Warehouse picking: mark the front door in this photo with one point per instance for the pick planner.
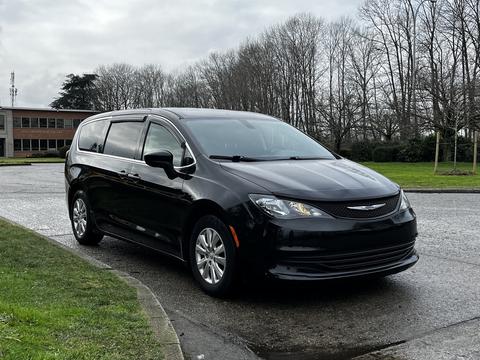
(2, 147)
(158, 202)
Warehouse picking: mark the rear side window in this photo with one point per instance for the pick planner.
(92, 136)
(122, 139)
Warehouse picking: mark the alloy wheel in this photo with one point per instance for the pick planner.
(79, 216)
(210, 256)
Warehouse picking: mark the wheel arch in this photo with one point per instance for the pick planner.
(73, 188)
(200, 208)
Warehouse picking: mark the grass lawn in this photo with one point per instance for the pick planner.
(27, 161)
(54, 305)
(420, 175)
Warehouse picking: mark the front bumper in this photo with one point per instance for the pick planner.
(321, 249)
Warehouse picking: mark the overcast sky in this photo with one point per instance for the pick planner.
(43, 40)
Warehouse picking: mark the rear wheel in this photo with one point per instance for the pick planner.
(83, 226)
(213, 256)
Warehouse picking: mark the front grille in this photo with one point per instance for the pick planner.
(352, 260)
(341, 209)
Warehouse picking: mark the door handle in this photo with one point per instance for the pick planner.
(123, 174)
(133, 177)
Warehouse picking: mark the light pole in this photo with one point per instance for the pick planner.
(414, 58)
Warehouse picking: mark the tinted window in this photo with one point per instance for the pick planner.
(17, 122)
(122, 139)
(25, 122)
(43, 122)
(26, 144)
(35, 144)
(34, 122)
(265, 139)
(2, 122)
(92, 135)
(159, 138)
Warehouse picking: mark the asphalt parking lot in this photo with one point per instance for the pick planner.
(431, 311)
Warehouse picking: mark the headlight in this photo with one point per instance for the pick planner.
(405, 204)
(285, 209)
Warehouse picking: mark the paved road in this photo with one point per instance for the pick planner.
(403, 316)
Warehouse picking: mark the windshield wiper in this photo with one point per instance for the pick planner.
(308, 158)
(234, 158)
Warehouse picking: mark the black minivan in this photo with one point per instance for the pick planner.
(234, 193)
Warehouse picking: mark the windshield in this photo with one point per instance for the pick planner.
(254, 140)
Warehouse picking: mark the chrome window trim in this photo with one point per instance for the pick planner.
(135, 161)
(161, 118)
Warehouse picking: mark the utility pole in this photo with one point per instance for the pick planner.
(13, 89)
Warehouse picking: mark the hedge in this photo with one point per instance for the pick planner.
(414, 150)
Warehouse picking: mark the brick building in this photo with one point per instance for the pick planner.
(24, 131)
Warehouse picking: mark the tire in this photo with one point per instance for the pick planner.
(82, 222)
(214, 269)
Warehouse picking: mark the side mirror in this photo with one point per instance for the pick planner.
(161, 159)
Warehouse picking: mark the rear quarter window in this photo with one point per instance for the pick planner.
(92, 136)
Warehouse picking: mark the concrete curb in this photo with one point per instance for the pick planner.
(157, 317)
(442, 191)
(24, 164)
(159, 321)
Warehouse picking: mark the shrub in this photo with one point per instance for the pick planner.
(412, 151)
(386, 153)
(62, 152)
(363, 150)
(47, 154)
(464, 149)
(347, 153)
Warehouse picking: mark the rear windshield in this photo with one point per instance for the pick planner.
(263, 139)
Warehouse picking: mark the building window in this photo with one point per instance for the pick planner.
(76, 123)
(17, 145)
(51, 123)
(2, 122)
(26, 144)
(25, 122)
(60, 123)
(60, 144)
(43, 144)
(68, 142)
(34, 122)
(68, 123)
(17, 122)
(52, 144)
(35, 144)
(43, 122)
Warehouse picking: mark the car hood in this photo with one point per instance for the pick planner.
(328, 180)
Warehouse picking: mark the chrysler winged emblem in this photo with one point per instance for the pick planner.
(366, 207)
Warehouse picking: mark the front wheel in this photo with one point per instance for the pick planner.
(213, 256)
(83, 225)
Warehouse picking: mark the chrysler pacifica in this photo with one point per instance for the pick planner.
(234, 193)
